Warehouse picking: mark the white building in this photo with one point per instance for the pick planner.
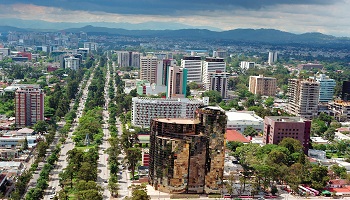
(71, 63)
(146, 109)
(272, 57)
(326, 87)
(193, 64)
(10, 142)
(92, 46)
(245, 65)
(239, 120)
(212, 65)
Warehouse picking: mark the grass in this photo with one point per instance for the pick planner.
(86, 148)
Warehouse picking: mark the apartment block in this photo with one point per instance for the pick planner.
(303, 97)
(193, 64)
(144, 110)
(177, 82)
(247, 65)
(71, 63)
(149, 69)
(128, 59)
(272, 57)
(92, 46)
(276, 128)
(265, 86)
(340, 110)
(187, 155)
(212, 65)
(29, 105)
(218, 82)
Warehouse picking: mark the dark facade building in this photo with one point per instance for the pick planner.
(345, 94)
(187, 155)
(276, 128)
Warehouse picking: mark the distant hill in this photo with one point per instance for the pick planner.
(271, 36)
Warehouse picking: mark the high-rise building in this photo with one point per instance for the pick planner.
(135, 59)
(71, 63)
(272, 57)
(29, 105)
(177, 82)
(193, 64)
(303, 96)
(265, 86)
(245, 65)
(146, 109)
(340, 110)
(92, 46)
(187, 155)
(166, 64)
(220, 54)
(128, 59)
(345, 93)
(276, 128)
(218, 82)
(149, 69)
(211, 65)
(326, 87)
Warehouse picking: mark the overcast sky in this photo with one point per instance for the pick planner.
(297, 16)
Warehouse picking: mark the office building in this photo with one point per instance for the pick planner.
(218, 82)
(212, 65)
(149, 69)
(276, 128)
(245, 65)
(177, 82)
(146, 109)
(326, 87)
(345, 94)
(193, 64)
(128, 59)
(187, 155)
(340, 110)
(92, 46)
(71, 63)
(272, 57)
(29, 105)
(265, 86)
(166, 64)
(240, 120)
(303, 97)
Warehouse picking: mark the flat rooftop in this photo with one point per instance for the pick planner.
(286, 119)
(242, 116)
(178, 121)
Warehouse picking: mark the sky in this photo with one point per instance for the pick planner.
(296, 16)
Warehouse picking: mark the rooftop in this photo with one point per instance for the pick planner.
(242, 116)
(178, 121)
(286, 119)
(233, 135)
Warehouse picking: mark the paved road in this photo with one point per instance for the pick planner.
(62, 163)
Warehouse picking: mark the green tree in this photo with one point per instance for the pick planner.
(269, 102)
(250, 131)
(113, 188)
(329, 134)
(133, 156)
(87, 172)
(232, 145)
(40, 127)
(339, 171)
(319, 177)
(293, 145)
(25, 143)
(41, 148)
(214, 96)
(139, 192)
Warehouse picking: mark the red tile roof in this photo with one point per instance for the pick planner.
(233, 135)
(341, 190)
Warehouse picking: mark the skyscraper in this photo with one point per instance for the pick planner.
(194, 66)
(187, 155)
(211, 65)
(265, 86)
(326, 87)
(272, 57)
(177, 82)
(345, 94)
(128, 59)
(303, 96)
(218, 82)
(166, 64)
(149, 69)
(29, 105)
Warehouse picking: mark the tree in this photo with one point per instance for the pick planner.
(214, 96)
(139, 192)
(250, 131)
(133, 156)
(87, 172)
(269, 102)
(232, 145)
(113, 188)
(319, 177)
(41, 148)
(318, 127)
(339, 171)
(188, 91)
(293, 145)
(133, 93)
(25, 143)
(329, 134)
(40, 127)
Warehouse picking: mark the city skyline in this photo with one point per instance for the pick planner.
(328, 17)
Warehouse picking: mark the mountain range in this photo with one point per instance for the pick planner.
(178, 31)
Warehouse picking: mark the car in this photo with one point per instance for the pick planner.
(52, 196)
(106, 181)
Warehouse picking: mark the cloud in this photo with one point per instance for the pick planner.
(165, 7)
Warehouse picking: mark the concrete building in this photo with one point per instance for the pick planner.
(310, 66)
(5, 51)
(177, 82)
(220, 54)
(265, 86)
(71, 63)
(149, 69)
(166, 64)
(276, 128)
(92, 46)
(193, 64)
(345, 94)
(146, 109)
(240, 120)
(303, 97)
(29, 105)
(146, 88)
(187, 155)
(218, 82)
(128, 59)
(212, 65)
(246, 65)
(340, 110)
(326, 87)
(272, 57)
